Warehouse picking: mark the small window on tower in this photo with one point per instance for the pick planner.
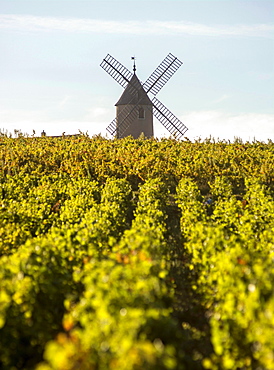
(141, 113)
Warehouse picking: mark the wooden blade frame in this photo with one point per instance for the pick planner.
(162, 74)
(116, 70)
(168, 120)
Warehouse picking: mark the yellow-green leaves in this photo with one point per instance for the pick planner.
(136, 254)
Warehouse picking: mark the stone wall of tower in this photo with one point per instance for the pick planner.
(138, 126)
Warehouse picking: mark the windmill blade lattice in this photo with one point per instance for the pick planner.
(167, 119)
(162, 74)
(116, 70)
(112, 127)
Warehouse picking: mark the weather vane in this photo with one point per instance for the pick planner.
(134, 65)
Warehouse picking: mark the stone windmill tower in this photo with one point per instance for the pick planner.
(134, 109)
(142, 118)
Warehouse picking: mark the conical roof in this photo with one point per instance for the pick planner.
(134, 94)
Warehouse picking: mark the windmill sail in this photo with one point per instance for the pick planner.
(116, 70)
(168, 120)
(162, 74)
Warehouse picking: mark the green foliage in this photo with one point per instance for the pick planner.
(136, 254)
(232, 257)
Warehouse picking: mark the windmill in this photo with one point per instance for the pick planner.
(134, 109)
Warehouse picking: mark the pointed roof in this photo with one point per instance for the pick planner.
(134, 93)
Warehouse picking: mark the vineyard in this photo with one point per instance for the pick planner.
(136, 254)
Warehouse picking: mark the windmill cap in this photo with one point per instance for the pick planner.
(134, 94)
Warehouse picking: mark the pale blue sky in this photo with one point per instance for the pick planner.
(51, 51)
